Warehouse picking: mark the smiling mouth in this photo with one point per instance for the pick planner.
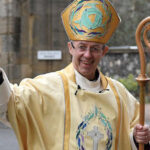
(87, 63)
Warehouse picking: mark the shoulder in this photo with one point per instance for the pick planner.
(128, 101)
(53, 77)
(43, 78)
(123, 92)
(51, 81)
(118, 85)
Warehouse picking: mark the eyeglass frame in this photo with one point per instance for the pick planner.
(92, 50)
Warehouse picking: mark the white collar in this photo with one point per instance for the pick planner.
(84, 83)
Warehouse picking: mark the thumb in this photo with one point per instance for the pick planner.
(138, 127)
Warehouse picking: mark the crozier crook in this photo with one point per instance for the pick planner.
(142, 79)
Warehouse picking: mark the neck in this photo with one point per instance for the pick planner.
(96, 76)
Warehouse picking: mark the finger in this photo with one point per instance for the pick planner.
(142, 142)
(143, 134)
(142, 139)
(144, 128)
(138, 127)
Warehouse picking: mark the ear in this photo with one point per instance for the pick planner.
(105, 50)
(70, 48)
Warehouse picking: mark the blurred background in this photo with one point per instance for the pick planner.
(30, 27)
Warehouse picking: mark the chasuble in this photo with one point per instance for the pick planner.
(50, 112)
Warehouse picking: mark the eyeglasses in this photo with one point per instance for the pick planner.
(83, 48)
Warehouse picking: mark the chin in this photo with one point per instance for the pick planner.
(86, 73)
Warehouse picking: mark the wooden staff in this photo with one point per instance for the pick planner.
(142, 78)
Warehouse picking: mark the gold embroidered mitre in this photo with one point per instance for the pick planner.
(90, 20)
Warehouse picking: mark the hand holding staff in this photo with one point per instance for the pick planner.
(142, 78)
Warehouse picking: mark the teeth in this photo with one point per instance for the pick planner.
(87, 63)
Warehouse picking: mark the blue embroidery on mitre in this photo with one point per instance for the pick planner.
(86, 27)
(97, 113)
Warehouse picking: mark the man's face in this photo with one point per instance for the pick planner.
(86, 56)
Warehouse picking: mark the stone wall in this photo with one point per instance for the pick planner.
(131, 13)
(9, 34)
(41, 30)
(27, 26)
(122, 61)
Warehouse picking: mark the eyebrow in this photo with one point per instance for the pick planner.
(96, 45)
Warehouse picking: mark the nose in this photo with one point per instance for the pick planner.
(87, 53)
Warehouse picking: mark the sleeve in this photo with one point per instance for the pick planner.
(5, 93)
(132, 108)
(133, 112)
